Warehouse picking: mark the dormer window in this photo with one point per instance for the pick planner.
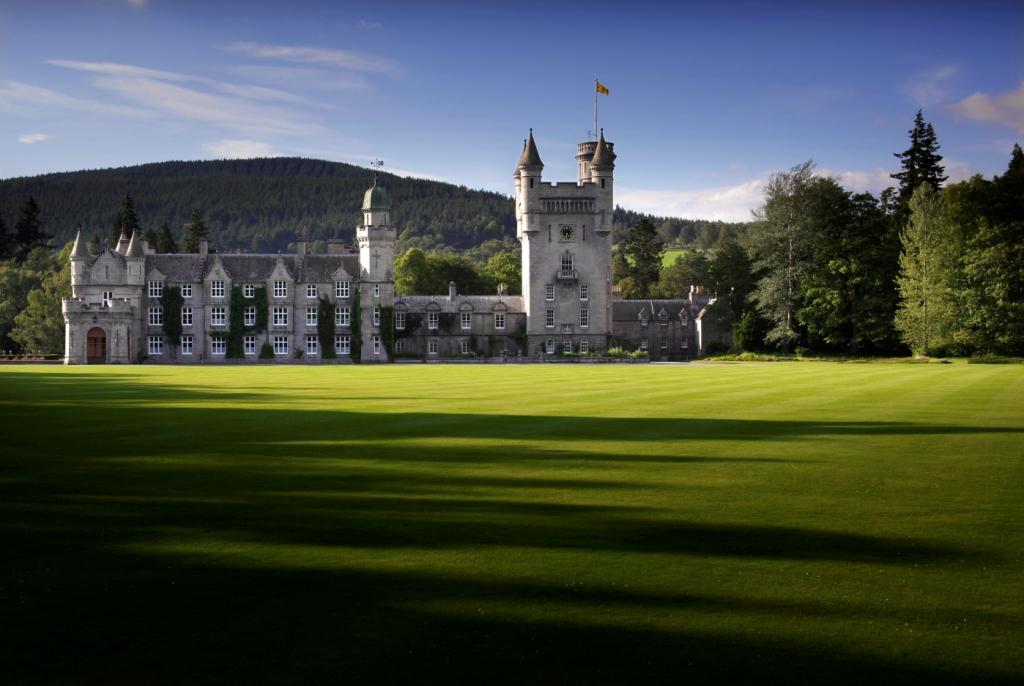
(311, 290)
(280, 289)
(156, 289)
(216, 289)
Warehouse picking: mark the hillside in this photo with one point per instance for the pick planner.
(264, 204)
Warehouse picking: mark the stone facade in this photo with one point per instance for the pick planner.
(116, 310)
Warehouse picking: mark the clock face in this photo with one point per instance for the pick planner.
(568, 233)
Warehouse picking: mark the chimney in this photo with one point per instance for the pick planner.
(335, 246)
(451, 290)
(300, 248)
(147, 248)
(204, 247)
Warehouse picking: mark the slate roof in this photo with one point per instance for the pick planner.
(190, 268)
(630, 310)
(530, 159)
(603, 158)
(182, 268)
(321, 268)
(480, 303)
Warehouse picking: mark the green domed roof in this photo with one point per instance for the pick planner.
(376, 198)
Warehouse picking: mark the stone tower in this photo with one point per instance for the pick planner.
(565, 230)
(376, 239)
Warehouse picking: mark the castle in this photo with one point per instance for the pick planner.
(247, 307)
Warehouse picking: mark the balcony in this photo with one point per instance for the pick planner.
(567, 275)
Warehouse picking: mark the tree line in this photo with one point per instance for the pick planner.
(931, 268)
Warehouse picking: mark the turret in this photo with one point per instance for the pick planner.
(135, 260)
(79, 259)
(376, 236)
(528, 178)
(122, 243)
(602, 167)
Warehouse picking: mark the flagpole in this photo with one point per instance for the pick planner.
(595, 109)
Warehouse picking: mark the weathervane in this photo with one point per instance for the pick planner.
(378, 167)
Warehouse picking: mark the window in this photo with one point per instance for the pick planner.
(280, 316)
(432, 320)
(248, 291)
(643, 319)
(400, 321)
(343, 316)
(643, 344)
(281, 291)
(376, 290)
(186, 316)
(549, 346)
(584, 346)
(280, 345)
(250, 345)
(311, 290)
(186, 345)
(567, 262)
(467, 320)
(218, 316)
(249, 316)
(499, 320)
(376, 315)
(432, 346)
(311, 315)
(664, 342)
(107, 297)
(218, 344)
(156, 345)
(342, 344)
(566, 345)
(682, 317)
(685, 344)
(399, 346)
(156, 316)
(549, 292)
(216, 289)
(156, 289)
(584, 292)
(341, 289)
(549, 318)
(584, 318)
(464, 346)
(186, 290)
(312, 345)
(376, 345)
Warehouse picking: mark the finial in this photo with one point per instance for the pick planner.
(531, 130)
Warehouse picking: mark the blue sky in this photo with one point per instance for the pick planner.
(706, 99)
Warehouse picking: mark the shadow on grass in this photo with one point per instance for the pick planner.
(88, 595)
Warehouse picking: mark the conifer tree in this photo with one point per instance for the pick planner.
(924, 317)
(921, 162)
(643, 250)
(95, 244)
(165, 242)
(7, 243)
(29, 228)
(196, 231)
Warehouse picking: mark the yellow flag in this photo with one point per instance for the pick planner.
(601, 89)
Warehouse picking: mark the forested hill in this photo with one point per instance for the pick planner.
(264, 204)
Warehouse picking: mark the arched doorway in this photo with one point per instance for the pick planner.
(96, 346)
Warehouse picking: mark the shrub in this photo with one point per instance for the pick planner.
(266, 352)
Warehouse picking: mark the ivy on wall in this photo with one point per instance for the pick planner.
(262, 315)
(387, 329)
(357, 328)
(325, 327)
(172, 302)
(236, 324)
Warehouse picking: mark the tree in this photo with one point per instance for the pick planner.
(29, 229)
(731, 277)
(925, 314)
(165, 242)
(95, 244)
(39, 328)
(689, 269)
(781, 247)
(412, 273)
(152, 238)
(7, 243)
(126, 222)
(504, 268)
(196, 231)
(921, 162)
(17, 280)
(643, 252)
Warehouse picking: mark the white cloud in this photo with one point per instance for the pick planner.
(30, 138)
(1005, 108)
(235, 148)
(932, 87)
(137, 3)
(234, 113)
(364, 24)
(15, 91)
(725, 203)
(343, 59)
(319, 79)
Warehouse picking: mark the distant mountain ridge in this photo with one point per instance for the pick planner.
(264, 204)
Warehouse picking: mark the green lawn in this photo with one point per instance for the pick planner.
(782, 523)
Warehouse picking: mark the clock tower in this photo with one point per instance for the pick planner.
(565, 230)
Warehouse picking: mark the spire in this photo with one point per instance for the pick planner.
(122, 243)
(135, 247)
(530, 159)
(604, 158)
(79, 249)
